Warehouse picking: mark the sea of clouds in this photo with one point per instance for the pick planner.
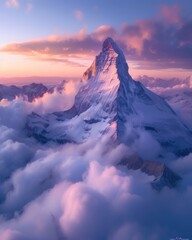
(79, 192)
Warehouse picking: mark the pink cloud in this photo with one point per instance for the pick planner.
(135, 35)
(12, 3)
(29, 7)
(78, 15)
(172, 14)
(103, 32)
(12, 235)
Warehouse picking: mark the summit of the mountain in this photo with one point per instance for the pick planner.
(110, 47)
(109, 44)
(103, 79)
(110, 56)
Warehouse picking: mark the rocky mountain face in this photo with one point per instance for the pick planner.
(163, 175)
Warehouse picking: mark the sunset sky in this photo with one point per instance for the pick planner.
(59, 38)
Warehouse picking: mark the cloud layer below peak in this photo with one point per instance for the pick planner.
(78, 192)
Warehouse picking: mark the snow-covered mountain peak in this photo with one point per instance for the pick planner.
(110, 45)
(111, 58)
(102, 80)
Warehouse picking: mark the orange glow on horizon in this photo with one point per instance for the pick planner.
(16, 66)
(21, 66)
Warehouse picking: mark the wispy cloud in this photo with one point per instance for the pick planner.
(12, 3)
(78, 15)
(171, 13)
(29, 7)
(76, 46)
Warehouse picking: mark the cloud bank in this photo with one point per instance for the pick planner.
(59, 99)
(78, 192)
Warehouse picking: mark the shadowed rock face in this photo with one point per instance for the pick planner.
(163, 176)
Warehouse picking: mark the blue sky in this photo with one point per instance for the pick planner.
(58, 16)
(24, 21)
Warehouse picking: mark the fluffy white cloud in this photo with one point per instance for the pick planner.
(13, 113)
(78, 191)
(105, 203)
